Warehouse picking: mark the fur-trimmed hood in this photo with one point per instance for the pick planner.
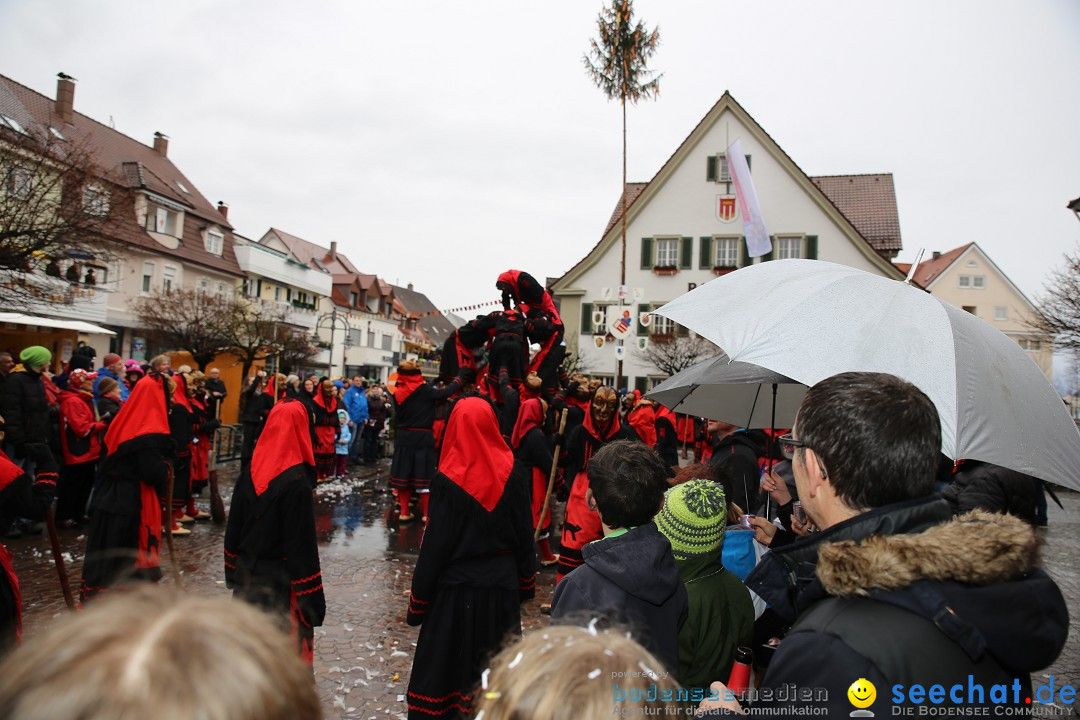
(978, 548)
(975, 576)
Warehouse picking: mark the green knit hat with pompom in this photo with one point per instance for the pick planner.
(693, 518)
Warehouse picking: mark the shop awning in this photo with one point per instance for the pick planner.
(77, 325)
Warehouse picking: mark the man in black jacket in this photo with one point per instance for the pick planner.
(894, 602)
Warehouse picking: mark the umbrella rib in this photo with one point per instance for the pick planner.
(753, 407)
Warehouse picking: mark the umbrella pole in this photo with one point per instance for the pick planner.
(772, 435)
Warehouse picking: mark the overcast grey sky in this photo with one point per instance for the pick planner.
(442, 142)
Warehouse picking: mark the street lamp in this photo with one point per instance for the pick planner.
(331, 319)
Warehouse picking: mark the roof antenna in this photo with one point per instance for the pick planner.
(914, 266)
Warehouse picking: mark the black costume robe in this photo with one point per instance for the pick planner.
(20, 497)
(124, 536)
(476, 563)
(414, 441)
(271, 552)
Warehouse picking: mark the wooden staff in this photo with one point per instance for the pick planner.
(58, 558)
(168, 527)
(551, 477)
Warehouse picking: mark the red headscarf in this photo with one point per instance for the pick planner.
(407, 382)
(531, 415)
(663, 412)
(9, 471)
(475, 456)
(284, 443)
(144, 413)
(180, 396)
(321, 401)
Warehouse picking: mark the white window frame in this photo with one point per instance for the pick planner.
(147, 283)
(667, 251)
(662, 326)
(600, 328)
(730, 258)
(170, 278)
(163, 220)
(786, 244)
(387, 342)
(215, 242)
(972, 282)
(222, 289)
(95, 200)
(1001, 313)
(204, 286)
(1030, 345)
(20, 183)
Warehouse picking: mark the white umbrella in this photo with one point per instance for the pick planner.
(735, 392)
(809, 320)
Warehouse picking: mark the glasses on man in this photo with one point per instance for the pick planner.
(788, 445)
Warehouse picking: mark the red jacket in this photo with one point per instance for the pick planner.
(80, 432)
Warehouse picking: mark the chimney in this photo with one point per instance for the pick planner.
(223, 209)
(333, 249)
(937, 254)
(65, 97)
(161, 144)
(409, 286)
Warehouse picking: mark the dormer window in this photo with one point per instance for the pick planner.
(214, 242)
(182, 188)
(13, 124)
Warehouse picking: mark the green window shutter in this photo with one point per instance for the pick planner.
(769, 255)
(586, 318)
(641, 384)
(681, 330)
(686, 257)
(744, 256)
(710, 168)
(811, 247)
(747, 161)
(641, 329)
(705, 261)
(646, 254)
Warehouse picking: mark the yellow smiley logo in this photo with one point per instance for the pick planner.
(862, 693)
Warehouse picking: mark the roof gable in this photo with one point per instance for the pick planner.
(954, 259)
(639, 195)
(311, 254)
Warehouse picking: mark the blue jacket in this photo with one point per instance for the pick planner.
(341, 445)
(105, 372)
(356, 404)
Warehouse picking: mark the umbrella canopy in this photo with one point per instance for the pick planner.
(735, 392)
(810, 320)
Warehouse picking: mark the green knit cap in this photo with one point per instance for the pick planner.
(693, 518)
(35, 356)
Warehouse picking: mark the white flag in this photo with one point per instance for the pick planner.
(757, 237)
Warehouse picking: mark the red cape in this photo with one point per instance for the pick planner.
(407, 382)
(475, 456)
(144, 413)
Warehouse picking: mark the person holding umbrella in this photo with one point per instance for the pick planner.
(893, 592)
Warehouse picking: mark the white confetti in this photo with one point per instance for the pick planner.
(649, 672)
(483, 679)
(514, 663)
(479, 715)
(607, 651)
(594, 674)
(592, 626)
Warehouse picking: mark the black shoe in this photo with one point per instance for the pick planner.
(29, 527)
(13, 531)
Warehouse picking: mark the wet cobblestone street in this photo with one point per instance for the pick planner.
(364, 651)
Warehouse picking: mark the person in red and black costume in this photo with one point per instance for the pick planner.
(20, 496)
(476, 563)
(642, 418)
(325, 406)
(124, 536)
(182, 427)
(580, 524)
(204, 424)
(80, 440)
(532, 449)
(521, 289)
(667, 440)
(413, 465)
(271, 551)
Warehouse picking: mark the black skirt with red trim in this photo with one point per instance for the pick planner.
(463, 628)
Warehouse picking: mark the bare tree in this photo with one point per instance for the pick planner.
(677, 354)
(1058, 311)
(253, 333)
(56, 202)
(187, 319)
(296, 350)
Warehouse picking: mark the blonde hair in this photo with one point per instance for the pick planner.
(157, 652)
(160, 360)
(565, 672)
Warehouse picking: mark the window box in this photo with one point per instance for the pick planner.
(723, 269)
(662, 337)
(665, 269)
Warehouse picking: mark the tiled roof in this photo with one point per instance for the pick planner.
(869, 202)
(633, 191)
(435, 325)
(311, 254)
(930, 269)
(127, 161)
